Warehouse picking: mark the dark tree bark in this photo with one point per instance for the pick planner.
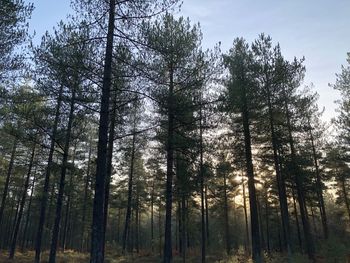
(261, 227)
(313, 218)
(281, 184)
(169, 171)
(300, 191)
(152, 217)
(137, 220)
(8, 222)
(109, 166)
(159, 228)
(23, 200)
(68, 204)
(101, 166)
(43, 200)
(226, 219)
(267, 215)
(247, 246)
(7, 180)
(254, 220)
(206, 213)
(58, 214)
(203, 242)
(86, 189)
(183, 228)
(25, 229)
(130, 184)
(297, 220)
(319, 185)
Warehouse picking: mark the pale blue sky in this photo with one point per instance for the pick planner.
(316, 29)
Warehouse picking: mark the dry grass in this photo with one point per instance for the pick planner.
(68, 256)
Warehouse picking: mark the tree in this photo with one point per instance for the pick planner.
(239, 91)
(13, 33)
(174, 50)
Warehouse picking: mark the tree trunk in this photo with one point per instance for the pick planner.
(267, 215)
(183, 228)
(7, 181)
(86, 188)
(68, 205)
(262, 238)
(137, 220)
(169, 172)
(227, 225)
(300, 191)
(130, 184)
(297, 221)
(254, 220)
(313, 218)
(319, 186)
(101, 163)
(28, 213)
(247, 246)
(159, 229)
(203, 242)
(281, 185)
(44, 196)
(152, 217)
(109, 167)
(56, 227)
(23, 200)
(206, 213)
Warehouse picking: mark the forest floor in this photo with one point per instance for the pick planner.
(70, 256)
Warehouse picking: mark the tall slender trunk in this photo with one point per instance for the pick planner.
(28, 213)
(297, 220)
(183, 228)
(130, 184)
(44, 196)
(13, 221)
(261, 227)
(56, 227)
(206, 213)
(267, 215)
(300, 191)
(177, 230)
(68, 205)
(152, 217)
(186, 223)
(318, 185)
(227, 225)
(101, 163)
(247, 246)
(313, 218)
(169, 172)
(137, 220)
(8, 221)
(109, 166)
(203, 242)
(23, 200)
(159, 228)
(118, 224)
(280, 178)
(65, 226)
(254, 220)
(86, 188)
(7, 180)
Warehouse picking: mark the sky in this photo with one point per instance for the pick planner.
(319, 30)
